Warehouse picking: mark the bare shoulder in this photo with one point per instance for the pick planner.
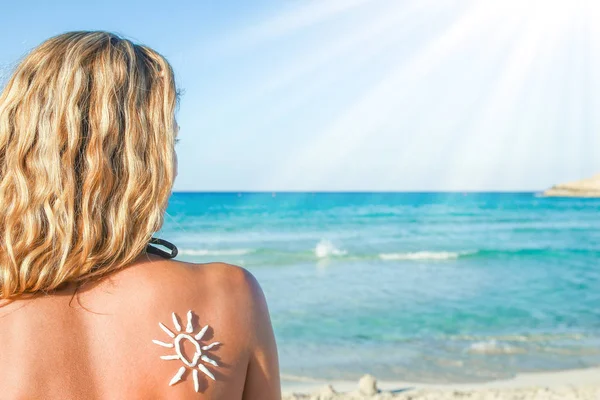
(237, 283)
(180, 279)
(225, 302)
(225, 292)
(217, 283)
(236, 294)
(228, 276)
(226, 297)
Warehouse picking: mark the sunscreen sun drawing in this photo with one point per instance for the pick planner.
(195, 361)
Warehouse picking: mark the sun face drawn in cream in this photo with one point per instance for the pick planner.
(178, 339)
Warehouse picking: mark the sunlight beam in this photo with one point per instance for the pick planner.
(283, 24)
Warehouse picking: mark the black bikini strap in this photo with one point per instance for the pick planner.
(160, 252)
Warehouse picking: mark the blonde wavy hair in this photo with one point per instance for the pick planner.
(87, 134)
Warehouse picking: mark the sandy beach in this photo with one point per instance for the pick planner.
(564, 385)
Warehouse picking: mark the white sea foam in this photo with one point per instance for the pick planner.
(222, 252)
(494, 347)
(325, 248)
(421, 255)
(299, 378)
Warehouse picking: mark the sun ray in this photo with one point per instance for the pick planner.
(286, 22)
(202, 368)
(200, 334)
(163, 344)
(177, 376)
(209, 360)
(210, 346)
(176, 322)
(170, 357)
(167, 330)
(352, 128)
(196, 382)
(190, 327)
(364, 38)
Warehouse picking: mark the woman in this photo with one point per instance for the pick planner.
(89, 309)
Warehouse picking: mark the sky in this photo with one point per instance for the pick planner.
(367, 95)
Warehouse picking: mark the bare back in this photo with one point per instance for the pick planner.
(97, 343)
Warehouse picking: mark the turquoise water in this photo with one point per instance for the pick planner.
(422, 287)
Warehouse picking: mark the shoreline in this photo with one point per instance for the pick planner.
(527, 384)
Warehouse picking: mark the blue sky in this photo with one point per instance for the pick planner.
(362, 94)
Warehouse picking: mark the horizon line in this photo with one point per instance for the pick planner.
(363, 191)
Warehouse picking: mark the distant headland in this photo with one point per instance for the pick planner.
(584, 188)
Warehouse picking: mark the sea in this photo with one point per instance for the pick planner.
(423, 287)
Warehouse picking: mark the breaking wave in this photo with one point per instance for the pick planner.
(423, 255)
(494, 347)
(206, 252)
(325, 248)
